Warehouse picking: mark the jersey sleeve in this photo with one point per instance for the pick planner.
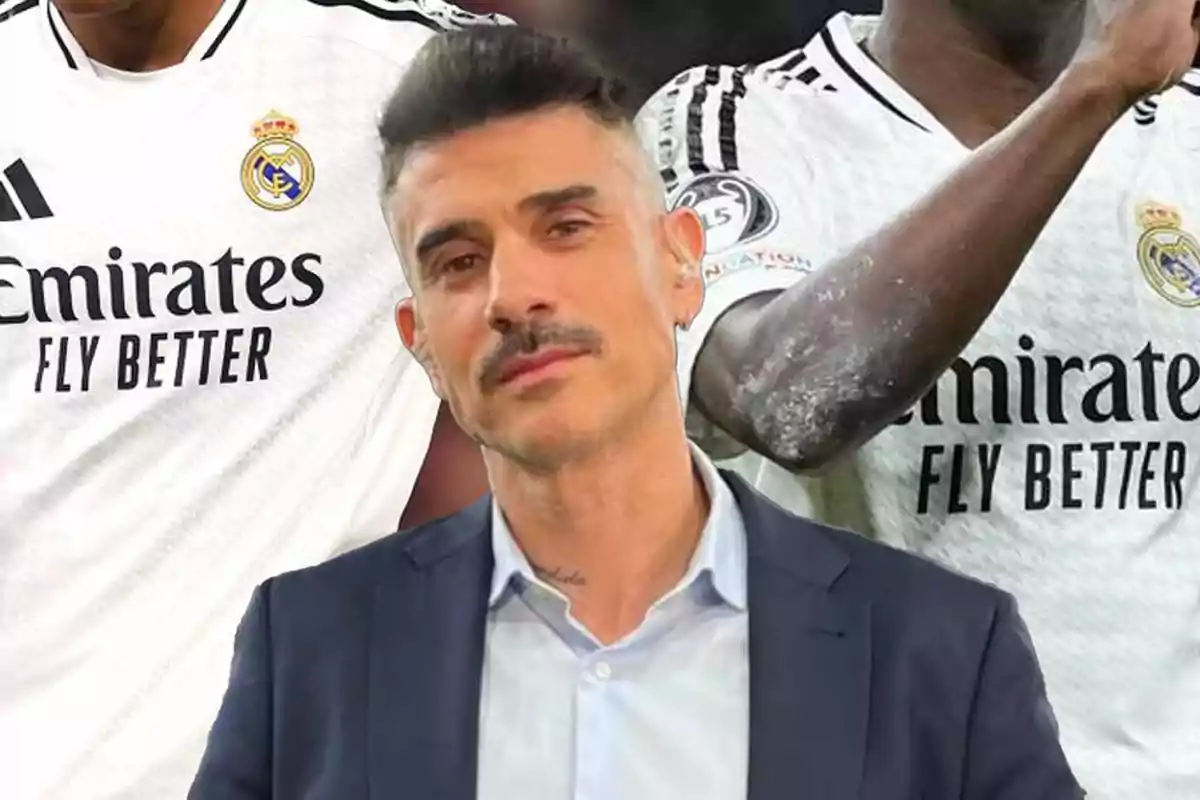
(728, 145)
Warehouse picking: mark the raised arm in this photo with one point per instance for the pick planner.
(807, 374)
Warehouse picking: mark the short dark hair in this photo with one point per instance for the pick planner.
(461, 79)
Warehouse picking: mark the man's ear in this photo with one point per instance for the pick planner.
(406, 324)
(685, 239)
(412, 333)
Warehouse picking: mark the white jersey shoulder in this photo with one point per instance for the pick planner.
(1177, 108)
(391, 28)
(18, 27)
(739, 146)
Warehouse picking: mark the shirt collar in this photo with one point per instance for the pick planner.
(720, 556)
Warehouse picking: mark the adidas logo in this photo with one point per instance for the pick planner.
(20, 197)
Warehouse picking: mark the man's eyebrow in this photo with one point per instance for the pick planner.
(464, 229)
(554, 198)
(442, 234)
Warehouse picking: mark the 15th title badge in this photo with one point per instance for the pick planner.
(277, 173)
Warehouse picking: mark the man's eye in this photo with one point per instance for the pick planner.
(568, 227)
(461, 263)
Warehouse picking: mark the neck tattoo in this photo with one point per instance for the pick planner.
(559, 575)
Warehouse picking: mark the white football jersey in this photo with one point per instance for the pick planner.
(1058, 458)
(200, 381)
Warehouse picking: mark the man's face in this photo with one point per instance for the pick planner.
(548, 281)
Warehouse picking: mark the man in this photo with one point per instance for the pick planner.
(1058, 457)
(618, 622)
(199, 380)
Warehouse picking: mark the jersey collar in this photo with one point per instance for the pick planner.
(72, 56)
(837, 50)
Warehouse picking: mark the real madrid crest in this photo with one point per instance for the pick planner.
(1170, 257)
(278, 172)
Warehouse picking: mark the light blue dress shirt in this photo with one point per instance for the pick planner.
(662, 714)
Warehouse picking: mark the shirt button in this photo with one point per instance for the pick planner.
(603, 671)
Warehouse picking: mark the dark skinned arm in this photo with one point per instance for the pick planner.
(808, 373)
(803, 380)
(452, 475)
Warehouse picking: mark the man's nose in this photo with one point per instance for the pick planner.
(521, 284)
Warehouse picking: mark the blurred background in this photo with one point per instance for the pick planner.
(649, 41)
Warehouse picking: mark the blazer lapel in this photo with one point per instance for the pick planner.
(427, 644)
(810, 660)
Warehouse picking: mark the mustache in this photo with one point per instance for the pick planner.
(525, 339)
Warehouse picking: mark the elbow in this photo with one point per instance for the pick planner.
(803, 428)
(808, 454)
(806, 417)
(804, 400)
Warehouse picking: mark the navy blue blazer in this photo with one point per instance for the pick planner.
(874, 675)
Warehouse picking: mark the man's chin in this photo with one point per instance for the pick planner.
(543, 449)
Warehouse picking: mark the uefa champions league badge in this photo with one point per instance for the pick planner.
(1170, 257)
(277, 173)
(735, 210)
